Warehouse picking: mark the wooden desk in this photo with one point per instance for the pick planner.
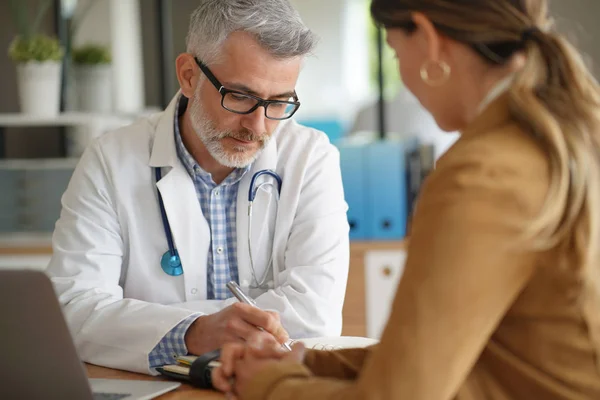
(184, 392)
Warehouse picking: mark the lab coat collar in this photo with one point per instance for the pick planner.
(164, 153)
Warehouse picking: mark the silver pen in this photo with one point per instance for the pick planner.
(235, 289)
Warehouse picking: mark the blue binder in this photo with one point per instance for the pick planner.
(386, 189)
(353, 166)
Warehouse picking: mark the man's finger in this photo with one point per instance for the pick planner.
(277, 329)
(241, 328)
(259, 339)
(257, 317)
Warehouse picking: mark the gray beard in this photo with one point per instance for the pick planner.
(211, 138)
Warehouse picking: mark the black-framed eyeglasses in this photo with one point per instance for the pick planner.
(244, 103)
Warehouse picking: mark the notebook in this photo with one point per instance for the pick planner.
(335, 342)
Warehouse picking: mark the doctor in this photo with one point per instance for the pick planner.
(155, 220)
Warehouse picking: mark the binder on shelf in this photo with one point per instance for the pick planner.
(420, 162)
(353, 167)
(386, 194)
(386, 188)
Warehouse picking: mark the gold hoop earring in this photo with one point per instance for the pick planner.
(445, 69)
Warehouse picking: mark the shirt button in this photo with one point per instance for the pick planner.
(194, 291)
(216, 192)
(219, 250)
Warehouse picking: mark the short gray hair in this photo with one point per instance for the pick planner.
(275, 24)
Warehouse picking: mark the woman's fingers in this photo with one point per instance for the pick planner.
(297, 353)
(230, 353)
(221, 381)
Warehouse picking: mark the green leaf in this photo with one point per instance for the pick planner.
(91, 54)
(37, 48)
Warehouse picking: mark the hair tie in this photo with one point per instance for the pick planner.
(530, 34)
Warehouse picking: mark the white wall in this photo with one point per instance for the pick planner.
(95, 26)
(336, 77)
(578, 19)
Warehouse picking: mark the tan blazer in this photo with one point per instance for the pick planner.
(474, 317)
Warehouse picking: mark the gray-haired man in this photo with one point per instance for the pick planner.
(156, 219)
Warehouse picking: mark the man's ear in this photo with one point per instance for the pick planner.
(187, 74)
(430, 35)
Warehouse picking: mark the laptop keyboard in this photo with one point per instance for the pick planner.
(110, 396)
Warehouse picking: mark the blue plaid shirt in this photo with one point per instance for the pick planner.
(219, 206)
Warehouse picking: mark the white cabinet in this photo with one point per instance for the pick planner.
(383, 270)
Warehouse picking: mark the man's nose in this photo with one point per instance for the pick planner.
(255, 121)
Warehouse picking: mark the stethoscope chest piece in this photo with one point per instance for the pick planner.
(171, 263)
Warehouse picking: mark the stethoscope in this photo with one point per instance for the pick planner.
(170, 261)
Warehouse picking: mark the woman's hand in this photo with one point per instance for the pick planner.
(253, 362)
(241, 362)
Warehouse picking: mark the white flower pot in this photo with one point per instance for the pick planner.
(94, 87)
(39, 87)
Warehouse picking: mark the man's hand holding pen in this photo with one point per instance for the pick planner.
(236, 323)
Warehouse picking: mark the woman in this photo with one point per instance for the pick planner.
(499, 298)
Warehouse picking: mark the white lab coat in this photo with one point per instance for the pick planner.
(109, 240)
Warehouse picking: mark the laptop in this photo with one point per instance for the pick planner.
(38, 359)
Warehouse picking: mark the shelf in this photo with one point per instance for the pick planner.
(64, 119)
(70, 118)
(24, 241)
(29, 164)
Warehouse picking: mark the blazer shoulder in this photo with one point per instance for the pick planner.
(509, 148)
(504, 163)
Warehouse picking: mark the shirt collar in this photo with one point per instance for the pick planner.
(189, 162)
(498, 90)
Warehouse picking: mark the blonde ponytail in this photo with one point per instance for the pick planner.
(557, 100)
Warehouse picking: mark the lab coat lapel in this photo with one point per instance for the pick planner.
(188, 225)
(261, 210)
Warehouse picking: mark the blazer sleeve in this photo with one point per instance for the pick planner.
(466, 265)
(340, 364)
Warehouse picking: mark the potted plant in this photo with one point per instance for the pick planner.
(93, 78)
(38, 59)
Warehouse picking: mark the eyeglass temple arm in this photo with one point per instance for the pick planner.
(209, 74)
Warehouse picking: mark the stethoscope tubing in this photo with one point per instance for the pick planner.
(252, 191)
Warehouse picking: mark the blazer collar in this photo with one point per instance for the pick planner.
(496, 114)
(494, 109)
